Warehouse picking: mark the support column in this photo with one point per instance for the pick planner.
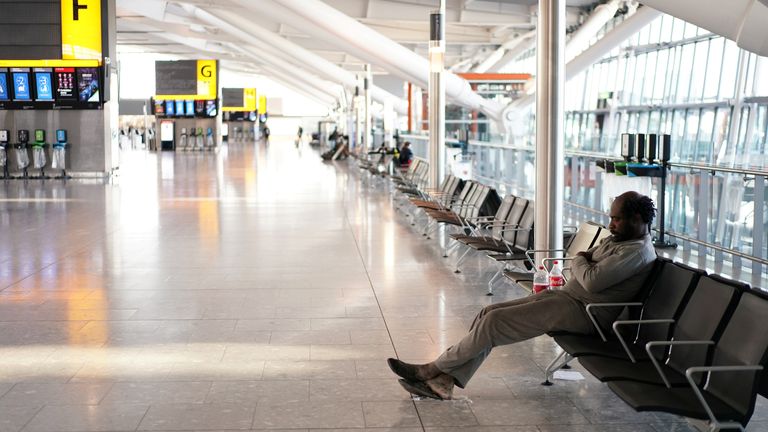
(410, 108)
(359, 122)
(550, 79)
(367, 109)
(436, 93)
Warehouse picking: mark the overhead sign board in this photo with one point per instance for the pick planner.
(186, 79)
(262, 104)
(238, 99)
(81, 29)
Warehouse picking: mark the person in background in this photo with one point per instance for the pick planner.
(298, 138)
(406, 154)
(266, 133)
(611, 272)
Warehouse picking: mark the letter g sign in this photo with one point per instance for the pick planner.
(205, 71)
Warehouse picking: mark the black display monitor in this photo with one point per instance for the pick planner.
(200, 108)
(21, 89)
(170, 108)
(44, 85)
(4, 91)
(210, 108)
(180, 111)
(159, 108)
(189, 108)
(65, 84)
(88, 85)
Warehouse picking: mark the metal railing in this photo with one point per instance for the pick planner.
(719, 210)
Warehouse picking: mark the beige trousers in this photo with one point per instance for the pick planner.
(510, 322)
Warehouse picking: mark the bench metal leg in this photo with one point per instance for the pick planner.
(430, 227)
(557, 363)
(449, 247)
(493, 279)
(461, 259)
(709, 426)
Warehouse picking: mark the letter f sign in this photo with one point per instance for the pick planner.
(76, 6)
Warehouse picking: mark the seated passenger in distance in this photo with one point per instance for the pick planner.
(406, 154)
(613, 271)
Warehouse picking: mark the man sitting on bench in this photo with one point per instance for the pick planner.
(613, 271)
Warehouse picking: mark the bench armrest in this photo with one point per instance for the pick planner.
(599, 305)
(550, 259)
(530, 252)
(650, 345)
(616, 325)
(709, 369)
(517, 228)
(482, 218)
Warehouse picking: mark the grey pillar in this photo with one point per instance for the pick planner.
(436, 93)
(358, 111)
(550, 79)
(367, 109)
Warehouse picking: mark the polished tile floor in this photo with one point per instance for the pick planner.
(253, 289)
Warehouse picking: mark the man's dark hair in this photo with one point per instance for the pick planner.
(639, 204)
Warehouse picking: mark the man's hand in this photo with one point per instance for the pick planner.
(585, 254)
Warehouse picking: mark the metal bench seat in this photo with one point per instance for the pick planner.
(731, 382)
(702, 319)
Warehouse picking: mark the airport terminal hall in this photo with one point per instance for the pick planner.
(383, 215)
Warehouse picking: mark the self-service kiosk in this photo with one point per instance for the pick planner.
(4, 140)
(38, 153)
(20, 148)
(59, 154)
(209, 139)
(183, 139)
(199, 139)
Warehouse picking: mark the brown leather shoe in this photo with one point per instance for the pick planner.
(419, 388)
(404, 370)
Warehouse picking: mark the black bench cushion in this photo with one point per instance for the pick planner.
(666, 296)
(677, 400)
(731, 395)
(703, 318)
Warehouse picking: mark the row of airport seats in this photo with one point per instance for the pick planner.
(505, 236)
(690, 344)
(483, 222)
(475, 218)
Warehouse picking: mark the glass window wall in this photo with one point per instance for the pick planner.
(671, 77)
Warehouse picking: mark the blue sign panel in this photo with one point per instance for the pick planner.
(4, 87)
(44, 82)
(21, 86)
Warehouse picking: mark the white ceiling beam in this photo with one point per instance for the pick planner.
(508, 13)
(322, 20)
(239, 26)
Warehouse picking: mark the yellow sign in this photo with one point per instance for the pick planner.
(262, 104)
(249, 98)
(206, 79)
(81, 29)
(249, 102)
(207, 82)
(49, 63)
